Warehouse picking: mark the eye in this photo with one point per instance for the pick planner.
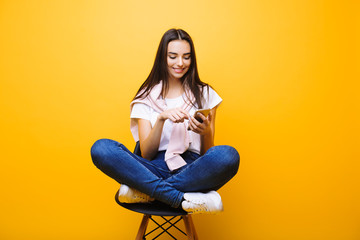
(187, 58)
(172, 57)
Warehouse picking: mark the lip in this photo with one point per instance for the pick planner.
(179, 70)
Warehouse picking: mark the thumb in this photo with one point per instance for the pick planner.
(210, 116)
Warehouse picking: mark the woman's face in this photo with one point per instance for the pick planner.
(178, 58)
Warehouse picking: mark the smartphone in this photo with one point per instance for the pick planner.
(205, 112)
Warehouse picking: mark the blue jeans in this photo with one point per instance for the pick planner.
(201, 173)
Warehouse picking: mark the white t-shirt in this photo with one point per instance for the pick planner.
(143, 111)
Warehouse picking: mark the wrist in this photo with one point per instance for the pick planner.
(160, 118)
(206, 133)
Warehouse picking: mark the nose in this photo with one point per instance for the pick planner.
(180, 63)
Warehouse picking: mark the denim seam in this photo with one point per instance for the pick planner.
(149, 163)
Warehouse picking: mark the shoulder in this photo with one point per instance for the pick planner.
(209, 91)
(140, 105)
(140, 110)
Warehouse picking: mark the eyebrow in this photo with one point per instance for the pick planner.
(177, 54)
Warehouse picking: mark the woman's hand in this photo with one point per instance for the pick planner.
(203, 127)
(176, 115)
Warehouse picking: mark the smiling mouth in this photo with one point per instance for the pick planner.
(179, 70)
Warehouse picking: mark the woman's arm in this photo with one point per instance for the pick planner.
(150, 136)
(206, 129)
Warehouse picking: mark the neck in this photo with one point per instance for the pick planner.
(175, 88)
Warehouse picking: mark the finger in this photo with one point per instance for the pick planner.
(190, 127)
(206, 122)
(186, 114)
(182, 117)
(193, 127)
(201, 116)
(210, 115)
(202, 125)
(181, 114)
(196, 123)
(172, 118)
(177, 112)
(177, 116)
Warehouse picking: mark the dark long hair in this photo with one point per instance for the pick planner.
(159, 71)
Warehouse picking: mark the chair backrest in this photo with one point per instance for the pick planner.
(137, 150)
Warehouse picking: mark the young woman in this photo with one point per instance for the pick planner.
(179, 164)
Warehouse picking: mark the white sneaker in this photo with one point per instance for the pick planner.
(131, 195)
(197, 203)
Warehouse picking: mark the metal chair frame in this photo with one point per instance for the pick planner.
(172, 224)
(191, 234)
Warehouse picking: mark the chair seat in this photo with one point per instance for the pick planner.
(162, 210)
(155, 208)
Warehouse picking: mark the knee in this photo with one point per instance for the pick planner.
(99, 150)
(229, 157)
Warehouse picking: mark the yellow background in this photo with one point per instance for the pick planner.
(288, 72)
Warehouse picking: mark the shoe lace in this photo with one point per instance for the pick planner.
(140, 195)
(199, 207)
